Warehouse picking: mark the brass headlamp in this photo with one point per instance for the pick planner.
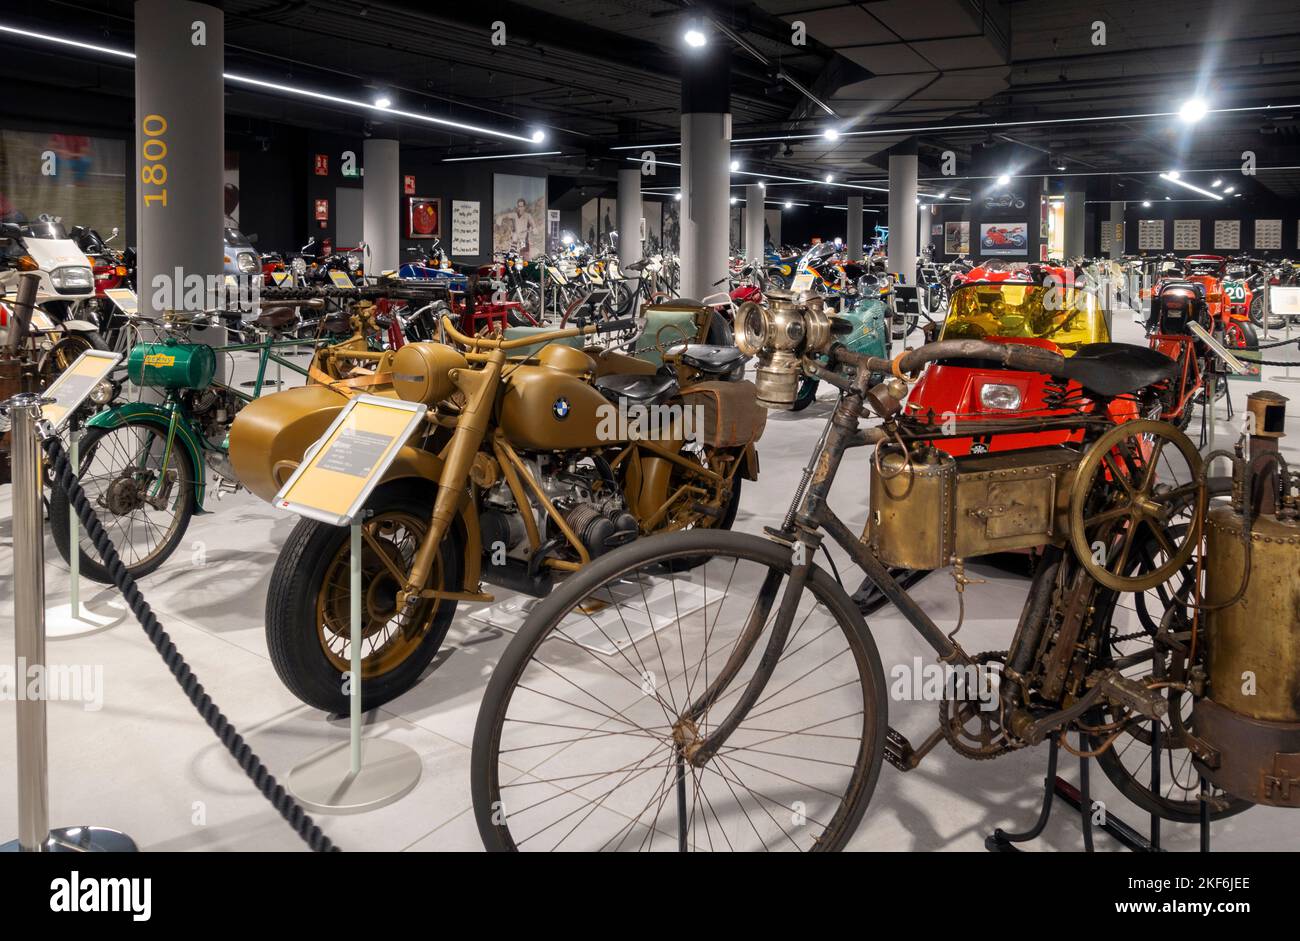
(779, 335)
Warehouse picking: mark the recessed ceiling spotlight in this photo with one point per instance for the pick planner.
(1004, 179)
(1193, 109)
(538, 136)
(830, 178)
(1173, 174)
(735, 165)
(677, 196)
(1146, 204)
(1217, 183)
(695, 38)
(1231, 189)
(733, 200)
(789, 205)
(383, 101)
(943, 195)
(831, 134)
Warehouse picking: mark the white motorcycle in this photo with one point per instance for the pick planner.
(66, 279)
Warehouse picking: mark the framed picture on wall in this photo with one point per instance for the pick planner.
(423, 217)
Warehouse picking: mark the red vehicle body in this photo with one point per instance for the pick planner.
(1231, 321)
(997, 304)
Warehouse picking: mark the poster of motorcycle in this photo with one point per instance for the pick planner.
(956, 238)
(80, 180)
(518, 214)
(1003, 238)
(1187, 235)
(1227, 234)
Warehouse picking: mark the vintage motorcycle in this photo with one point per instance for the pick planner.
(756, 715)
(527, 469)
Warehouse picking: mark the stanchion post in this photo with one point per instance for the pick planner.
(354, 610)
(74, 532)
(34, 833)
(29, 623)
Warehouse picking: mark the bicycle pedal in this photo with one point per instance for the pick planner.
(898, 750)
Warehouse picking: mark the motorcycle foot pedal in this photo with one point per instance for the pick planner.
(778, 535)
(898, 750)
(710, 511)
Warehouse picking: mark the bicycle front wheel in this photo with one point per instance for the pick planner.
(586, 733)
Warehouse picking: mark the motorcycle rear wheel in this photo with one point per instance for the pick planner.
(307, 607)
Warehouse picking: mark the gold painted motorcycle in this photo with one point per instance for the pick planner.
(526, 469)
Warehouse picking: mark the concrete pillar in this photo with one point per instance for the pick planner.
(1075, 226)
(902, 216)
(179, 151)
(629, 216)
(706, 169)
(381, 210)
(1116, 220)
(853, 232)
(754, 216)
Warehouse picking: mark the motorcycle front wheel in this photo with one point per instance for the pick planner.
(584, 735)
(141, 487)
(308, 621)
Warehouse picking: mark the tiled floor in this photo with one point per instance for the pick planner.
(145, 764)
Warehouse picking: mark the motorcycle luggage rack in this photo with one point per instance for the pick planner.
(1080, 799)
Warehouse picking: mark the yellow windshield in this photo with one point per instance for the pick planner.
(1066, 316)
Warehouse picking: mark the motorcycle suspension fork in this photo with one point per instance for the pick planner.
(465, 441)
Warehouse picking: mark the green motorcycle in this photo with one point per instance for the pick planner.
(146, 466)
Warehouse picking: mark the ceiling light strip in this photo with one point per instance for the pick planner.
(284, 89)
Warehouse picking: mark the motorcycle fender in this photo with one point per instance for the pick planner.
(749, 462)
(79, 326)
(415, 462)
(145, 413)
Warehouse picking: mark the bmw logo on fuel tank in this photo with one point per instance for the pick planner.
(561, 408)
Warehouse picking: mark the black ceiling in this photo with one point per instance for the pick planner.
(603, 73)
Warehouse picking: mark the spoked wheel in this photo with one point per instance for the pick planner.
(142, 489)
(586, 733)
(308, 609)
(1128, 487)
(1125, 752)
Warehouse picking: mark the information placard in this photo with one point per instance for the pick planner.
(340, 279)
(348, 461)
(76, 382)
(464, 226)
(125, 300)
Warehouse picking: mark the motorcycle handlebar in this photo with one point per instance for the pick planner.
(908, 364)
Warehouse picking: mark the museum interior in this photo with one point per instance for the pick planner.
(630, 425)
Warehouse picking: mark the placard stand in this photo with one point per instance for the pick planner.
(331, 485)
(362, 774)
(75, 619)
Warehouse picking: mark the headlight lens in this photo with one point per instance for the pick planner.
(1000, 396)
(298, 265)
(354, 262)
(751, 328)
(247, 262)
(71, 277)
(102, 394)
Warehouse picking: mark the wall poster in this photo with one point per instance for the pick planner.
(1004, 238)
(464, 227)
(1151, 234)
(1187, 235)
(653, 213)
(1227, 234)
(956, 238)
(1268, 233)
(69, 177)
(518, 214)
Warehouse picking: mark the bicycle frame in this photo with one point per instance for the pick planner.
(809, 514)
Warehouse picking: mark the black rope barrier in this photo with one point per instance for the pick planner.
(244, 756)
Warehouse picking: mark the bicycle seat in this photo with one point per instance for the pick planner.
(640, 390)
(1111, 369)
(336, 323)
(275, 318)
(708, 358)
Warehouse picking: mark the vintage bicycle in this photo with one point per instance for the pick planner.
(741, 704)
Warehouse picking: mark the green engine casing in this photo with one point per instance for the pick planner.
(171, 365)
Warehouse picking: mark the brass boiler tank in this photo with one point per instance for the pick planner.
(1250, 718)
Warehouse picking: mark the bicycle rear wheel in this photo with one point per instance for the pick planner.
(585, 732)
